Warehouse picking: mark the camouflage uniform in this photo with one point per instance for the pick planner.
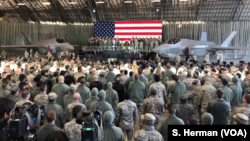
(155, 106)
(169, 84)
(41, 99)
(34, 92)
(197, 109)
(206, 94)
(183, 109)
(73, 130)
(4, 92)
(123, 79)
(162, 93)
(147, 133)
(104, 82)
(15, 98)
(189, 92)
(68, 110)
(126, 117)
(245, 109)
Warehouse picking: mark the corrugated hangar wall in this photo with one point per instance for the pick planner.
(10, 32)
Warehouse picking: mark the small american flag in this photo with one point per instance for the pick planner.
(125, 30)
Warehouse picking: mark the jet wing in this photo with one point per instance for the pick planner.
(227, 48)
(20, 46)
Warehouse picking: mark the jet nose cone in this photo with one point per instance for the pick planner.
(69, 48)
(158, 51)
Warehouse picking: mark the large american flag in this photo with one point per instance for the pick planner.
(124, 30)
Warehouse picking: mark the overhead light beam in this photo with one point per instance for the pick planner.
(46, 3)
(127, 1)
(72, 2)
(100, 2)
(21, 4)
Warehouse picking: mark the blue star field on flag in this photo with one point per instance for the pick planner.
(103, 29)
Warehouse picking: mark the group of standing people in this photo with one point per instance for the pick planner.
(127, 92)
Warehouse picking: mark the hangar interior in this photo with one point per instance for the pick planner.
(73, 19)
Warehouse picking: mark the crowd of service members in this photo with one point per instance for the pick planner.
(126, 92)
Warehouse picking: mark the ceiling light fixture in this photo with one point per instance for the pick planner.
(183, 0)
(157, 9)
(156, 0)
(128, 1)
(46, 3)
(72, 2)
(21, 4)
(93, 10)
(99, 2)
(0, 4)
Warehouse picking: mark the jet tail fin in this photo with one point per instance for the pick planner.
(203, 36)
(26, 40)
(229, 39)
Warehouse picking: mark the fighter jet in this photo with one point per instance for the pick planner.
(55, 46)
(186, 47)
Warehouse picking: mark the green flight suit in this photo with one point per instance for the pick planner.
(61, 89)
(220, 109)
(45, 130)
(111, 132)
(177, 89)
(92, 99)
(59, 113)
(128, 82)
(84, 92)
(132, 47)
(68, 99)
(109, 45)
(228, 94)
(237, 94)
(150, 76)
(101, 103)
(164, 122)
(111, 96)
(110, 76)
(90, 77)
(137, 89)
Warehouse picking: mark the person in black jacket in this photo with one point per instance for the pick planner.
(117, 86)
(5, 113)
(95, 83)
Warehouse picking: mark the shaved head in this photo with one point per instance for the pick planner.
(93, 70)
(136, 76)
(95, 78)
(76, 97)
(61, 78)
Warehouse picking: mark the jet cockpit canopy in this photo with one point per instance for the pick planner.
(61, 40)
(172, 41)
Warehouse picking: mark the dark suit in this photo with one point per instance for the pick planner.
(94, 53)
(73, 56)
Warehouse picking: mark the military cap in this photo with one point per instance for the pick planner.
(52, 96)
(180, 72)
(208, 79)
(223, 69)
(183, 97)
(148, 117)
(14, 90)
(241, 118)
(195, 81)
(213, 70)
(206, 71)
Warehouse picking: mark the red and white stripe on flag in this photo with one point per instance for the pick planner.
(124, 30)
